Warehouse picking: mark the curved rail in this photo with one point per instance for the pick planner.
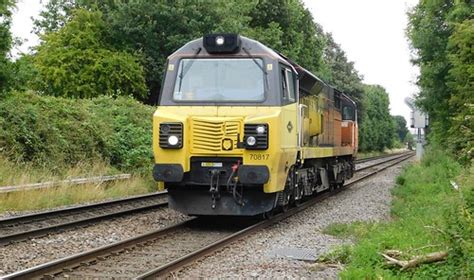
(151, 254)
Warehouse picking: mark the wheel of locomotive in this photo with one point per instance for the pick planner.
(284, 200)
(298, 193)
(269, 214)
(340, 185)
(286, 197)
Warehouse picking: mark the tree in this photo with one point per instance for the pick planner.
(342, 73)
(409, 140)
(401, 127)
(377, 132)
(441, 35)
(155, 29)
(5, 42)
(299, 38)
(75, 62)
(461, 82)
(23, 73)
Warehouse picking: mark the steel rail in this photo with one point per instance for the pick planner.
(389, 160)
(75, 210)
(57, 266)
(362, 160)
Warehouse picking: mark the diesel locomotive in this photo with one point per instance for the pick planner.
(242, 130)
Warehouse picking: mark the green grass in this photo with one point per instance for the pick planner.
(356, 230)
(338, 255)
(23, 173)
(428, 215)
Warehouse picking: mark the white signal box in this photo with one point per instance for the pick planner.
(418, 119)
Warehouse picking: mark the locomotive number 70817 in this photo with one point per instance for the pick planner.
(259, 156)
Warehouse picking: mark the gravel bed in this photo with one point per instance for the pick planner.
(252, 258)
(22, 255)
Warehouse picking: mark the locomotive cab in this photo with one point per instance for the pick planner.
(231, 128)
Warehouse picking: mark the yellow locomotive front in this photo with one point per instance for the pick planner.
(242, 130)
(223, 138)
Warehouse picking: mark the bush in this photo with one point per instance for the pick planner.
(56, 132)
(75, 62)
(428, 216)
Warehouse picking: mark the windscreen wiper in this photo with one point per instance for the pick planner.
(259, 66)
(186, 68)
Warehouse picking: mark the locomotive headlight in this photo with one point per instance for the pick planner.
(171, 135)
(173, 140)
(219, 40)
(256, 136)
(251, 141)
(260, 129)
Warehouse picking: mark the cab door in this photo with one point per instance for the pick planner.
(289, 115)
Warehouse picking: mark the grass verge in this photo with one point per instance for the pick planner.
(21, 173)
(429, 215)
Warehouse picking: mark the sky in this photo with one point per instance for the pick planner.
(371, 32)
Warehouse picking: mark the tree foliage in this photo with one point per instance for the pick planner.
(5, 42)
(441, 33)
(377, 131)
(75, 62)
(298, 39)
(156, 29)
(401, 127)
(23, 73)
(343, 74)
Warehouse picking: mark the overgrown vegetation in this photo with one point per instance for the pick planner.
(20, 172)
(57, 133)
(76, 62)
(441, 34)
(429, 215)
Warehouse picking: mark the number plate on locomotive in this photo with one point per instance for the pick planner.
(211, 164)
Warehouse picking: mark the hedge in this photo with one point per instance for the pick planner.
(54, 131)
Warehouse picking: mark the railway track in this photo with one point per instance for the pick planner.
(172, 247)
(39, 224)
(362, 160)
(385, 159)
